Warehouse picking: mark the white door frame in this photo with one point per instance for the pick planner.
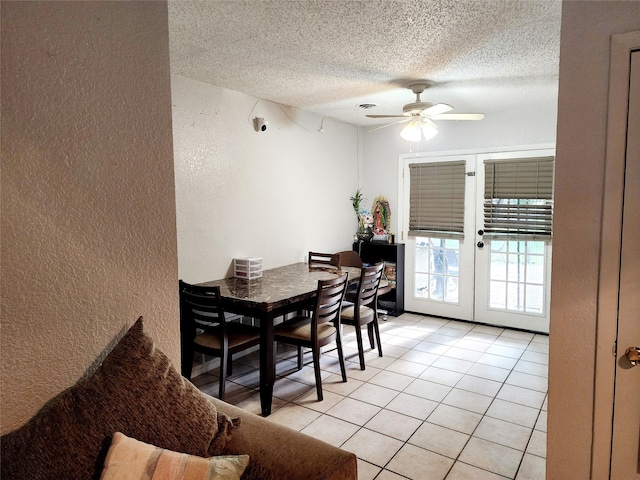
(606, 331)
(403, 193)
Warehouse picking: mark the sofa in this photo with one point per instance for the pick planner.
(137, 408)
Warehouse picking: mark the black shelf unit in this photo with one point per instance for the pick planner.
(374, 252)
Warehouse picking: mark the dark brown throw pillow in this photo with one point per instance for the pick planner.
(135, 391)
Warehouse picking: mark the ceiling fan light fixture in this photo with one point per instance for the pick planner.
(412, 132)
(429, 129)
(418, 127)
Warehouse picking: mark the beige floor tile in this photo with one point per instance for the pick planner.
(479, 385)
(532, 468)
(491, 456)
(474, 345)
(293, 416)
(463, 354)
(532, 382)
(455, 418)
(454, 364)
(532, 368)
(497, 361)
(335, 384)
(541, 423)
(538, 444)
(374, 394)
(513, 412)
(468, 400)
(393, 424)
(252, 404)
(353, 371)
(528, 336)
(401, 341)
(405, 367)
(505, 351)
(504, 433)
(441, 376)
(331, 430)
(522, 396)
(372, 447)
(387, 475)
(412, 405)
(489, 372)
(431, 347)
(452, 331)
(540, 338)
(367, 471)
(538, 347)
(419, 402)
(353, 411)
(441, 339)
(480, 336)
(462, 471)
(415, 462)
(536, 357)
(512, 342)
(439, 439)
(309, 399)
(391, 380)
(466, 326)
(429, 390)
(288, 389)
(416, 356)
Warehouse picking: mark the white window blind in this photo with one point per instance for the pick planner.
(436, 199)
(518, 198)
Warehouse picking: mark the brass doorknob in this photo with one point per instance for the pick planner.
(633, 355)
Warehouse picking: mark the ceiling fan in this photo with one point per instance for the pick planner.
(420, 114)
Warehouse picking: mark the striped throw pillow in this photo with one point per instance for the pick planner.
(130, 459)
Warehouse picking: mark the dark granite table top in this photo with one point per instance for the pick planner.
(277, 288)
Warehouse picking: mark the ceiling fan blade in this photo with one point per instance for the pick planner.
(385, 116)
(407, 119)
(436, 109)
(458, 116)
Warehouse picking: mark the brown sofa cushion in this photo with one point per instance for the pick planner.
(135, 391)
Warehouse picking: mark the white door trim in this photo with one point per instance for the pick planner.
(621, 47)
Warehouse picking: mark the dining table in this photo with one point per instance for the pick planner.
(278, 292)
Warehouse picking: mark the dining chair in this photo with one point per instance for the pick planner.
(364, 310)
(319, 329)
(351, 258)
(324, 261)
(204, 329)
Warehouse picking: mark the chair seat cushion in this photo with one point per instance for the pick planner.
(238, 335)
(300, 329)
(348, 313)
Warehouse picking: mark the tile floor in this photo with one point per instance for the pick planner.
(449, 400)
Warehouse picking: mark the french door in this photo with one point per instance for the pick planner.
(464, 272)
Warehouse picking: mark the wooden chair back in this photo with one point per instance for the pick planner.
(324, 261)
(350, 258)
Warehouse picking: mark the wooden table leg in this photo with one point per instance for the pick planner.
(267, 364)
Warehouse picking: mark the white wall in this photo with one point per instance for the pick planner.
(275, 194)
(381, 150)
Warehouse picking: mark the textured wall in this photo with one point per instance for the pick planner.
(582, 122)
(88, 204)
(275, 194)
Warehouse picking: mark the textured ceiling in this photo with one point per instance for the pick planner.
(329, 56)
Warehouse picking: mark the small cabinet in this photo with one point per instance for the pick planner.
(392, 254)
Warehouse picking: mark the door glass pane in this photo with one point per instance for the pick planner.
(498, 295)
(517, 273)
(437, 269)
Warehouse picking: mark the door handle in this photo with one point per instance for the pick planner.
(633, 355)
(480, 244)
